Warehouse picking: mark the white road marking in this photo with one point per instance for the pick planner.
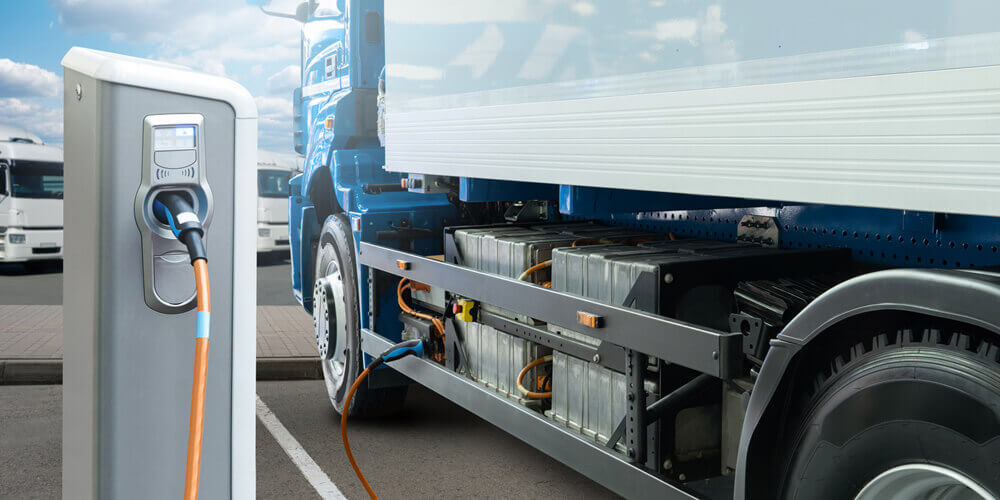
(306, 465)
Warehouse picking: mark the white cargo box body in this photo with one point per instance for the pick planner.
(888, 104)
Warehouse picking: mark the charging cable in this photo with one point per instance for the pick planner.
(174, 210)
(398, 351)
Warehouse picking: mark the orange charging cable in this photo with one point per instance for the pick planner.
(343, 432)
(398, 351)
(197, 422)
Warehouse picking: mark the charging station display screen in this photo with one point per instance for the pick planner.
(173, 137)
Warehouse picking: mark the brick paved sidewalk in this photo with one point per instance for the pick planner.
(35, 332)
(285, 344)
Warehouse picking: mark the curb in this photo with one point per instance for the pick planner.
(30, 371)
(289, 369)
(49, 371)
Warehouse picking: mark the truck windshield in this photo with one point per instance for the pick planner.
(36, 179)
(273, 183)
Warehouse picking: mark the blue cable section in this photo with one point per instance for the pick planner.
(201, 325)
(158, 206)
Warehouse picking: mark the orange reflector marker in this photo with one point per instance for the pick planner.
(402, 264)
(589, 319)
(329, 123)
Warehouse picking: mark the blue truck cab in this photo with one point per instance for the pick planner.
(335, 127)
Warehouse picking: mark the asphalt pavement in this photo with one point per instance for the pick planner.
(432, 449)
(31, 284)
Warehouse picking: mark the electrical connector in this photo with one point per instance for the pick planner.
(174, 210)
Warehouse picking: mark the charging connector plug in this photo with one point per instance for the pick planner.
(174, 210)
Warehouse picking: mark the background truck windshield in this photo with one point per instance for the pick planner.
(273, 183)
(36, 179)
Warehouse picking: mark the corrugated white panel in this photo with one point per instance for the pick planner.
(919, 141)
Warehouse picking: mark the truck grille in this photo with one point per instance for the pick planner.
(44, 250)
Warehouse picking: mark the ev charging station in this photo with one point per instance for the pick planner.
(135, 129)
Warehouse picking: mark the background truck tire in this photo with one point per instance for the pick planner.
(336, 315)
(915, 399)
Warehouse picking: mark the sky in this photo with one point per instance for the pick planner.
(223, 37)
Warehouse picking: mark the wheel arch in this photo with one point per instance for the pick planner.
(966, 297)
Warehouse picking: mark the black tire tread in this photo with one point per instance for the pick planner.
(859, 349)
(984, 348)
(366, 402)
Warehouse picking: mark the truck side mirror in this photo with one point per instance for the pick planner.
(304, 11)
(3, 180)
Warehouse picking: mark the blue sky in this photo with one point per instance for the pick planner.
(223, 37)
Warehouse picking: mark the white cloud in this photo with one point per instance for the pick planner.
(274, 122)
(481, 53)
(685, 28)
(27, 80)
(27, 113)
(712, 27)
(466, 11)
(285, 80)
(203, 35)
(414, 72)
(274, 107)
(221, 38)
(584, 9)
(707, 31)
(548, 50)
(910, 36)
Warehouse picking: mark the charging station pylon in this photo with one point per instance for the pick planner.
(133, 129)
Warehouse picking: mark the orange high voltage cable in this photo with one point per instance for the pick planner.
(537, 267)
(197, 422)
(524, 371)
(404, 284)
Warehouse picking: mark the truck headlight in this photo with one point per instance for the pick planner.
(16, 239)
(263, 232)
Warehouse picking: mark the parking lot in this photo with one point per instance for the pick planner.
(432, 449)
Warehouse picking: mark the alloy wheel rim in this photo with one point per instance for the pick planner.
(922, 481)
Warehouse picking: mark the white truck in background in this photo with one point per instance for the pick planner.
(31, 197)
(273, 173)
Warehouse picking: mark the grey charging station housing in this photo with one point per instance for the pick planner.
(129, 288)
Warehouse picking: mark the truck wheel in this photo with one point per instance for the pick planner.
(336, 314)
(915, 416)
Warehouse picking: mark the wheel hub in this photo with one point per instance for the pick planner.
(922, 481)
(330, 318)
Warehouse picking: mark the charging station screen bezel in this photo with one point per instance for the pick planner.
(175, 137)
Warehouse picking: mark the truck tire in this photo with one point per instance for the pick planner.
(336, 319)
(910, 415)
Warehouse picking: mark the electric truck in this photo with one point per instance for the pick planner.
(689, 249)
(273, 173)
(31, 197)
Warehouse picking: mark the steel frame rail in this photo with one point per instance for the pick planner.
(703, 349)
(586, 457)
